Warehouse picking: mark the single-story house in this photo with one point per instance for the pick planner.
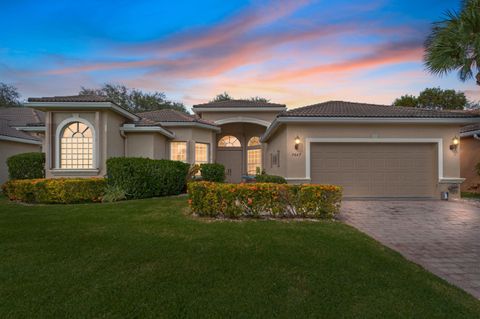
(470, 157)
(370, 150)
(19, 133)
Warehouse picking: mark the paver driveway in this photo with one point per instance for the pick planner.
(443, 237)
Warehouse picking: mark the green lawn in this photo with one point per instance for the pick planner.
(148, 259)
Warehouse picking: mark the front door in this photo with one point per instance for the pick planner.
(232, 160)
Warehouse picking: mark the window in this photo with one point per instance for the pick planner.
(76, 146)
(254, 155)
(229, 141)
(201, 153)
(178, 151)
(254, 160)
(254, 141)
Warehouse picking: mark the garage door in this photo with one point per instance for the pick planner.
(376, 169)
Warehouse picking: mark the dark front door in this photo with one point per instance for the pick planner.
(232, 160)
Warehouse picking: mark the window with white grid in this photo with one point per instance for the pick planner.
(201, 153)
(254, 160)
(76, 146)
(178, 151)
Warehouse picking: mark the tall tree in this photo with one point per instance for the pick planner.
(406, 100)
(436, 98)
(454, 43)
(9, 96)
(259, 99)
(222, 97)
(134, 100)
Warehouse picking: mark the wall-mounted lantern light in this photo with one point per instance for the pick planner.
(454, 145)
(297, 142)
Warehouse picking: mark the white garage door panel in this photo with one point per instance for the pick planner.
(376, 169)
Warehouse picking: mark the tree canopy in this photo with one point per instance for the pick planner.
(9, 96)
(454, 43)
(134, 100)
(436, 98)
(227, 97)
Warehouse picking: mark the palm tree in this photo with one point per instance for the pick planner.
(454, 44)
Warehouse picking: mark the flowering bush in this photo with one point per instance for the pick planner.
(55, 190)
(263, 199)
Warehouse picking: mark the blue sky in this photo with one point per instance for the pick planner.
(294, 52)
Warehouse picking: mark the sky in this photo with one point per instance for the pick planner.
(292, 52)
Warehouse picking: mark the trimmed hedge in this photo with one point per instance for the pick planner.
(144, 177)
(265, 178)
(264, 199)
(56, 190)
(26, 165)
(213, 172)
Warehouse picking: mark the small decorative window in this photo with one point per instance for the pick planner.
(76, 146)
(178, 151)
(229, 141)
(254, 141)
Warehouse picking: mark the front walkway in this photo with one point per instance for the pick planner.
(443, 237)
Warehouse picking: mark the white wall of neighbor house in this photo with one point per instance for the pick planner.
(10, 148)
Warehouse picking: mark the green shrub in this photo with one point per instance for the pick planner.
(26, 165)
(265, 178)
(114, 193)
(143, 177)
(264, 199)
(56, 190)
(213, 172)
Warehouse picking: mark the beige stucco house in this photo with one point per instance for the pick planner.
(370, 150)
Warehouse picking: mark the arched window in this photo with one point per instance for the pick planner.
(254, 155)
(76, 146)
(254, 141)
(229, 141)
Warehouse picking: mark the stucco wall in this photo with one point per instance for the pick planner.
(192, 135)
(7, 149)
(296, 160)
(469, 157)
(276, 146)
(264, 116)
(152, 145)
(115, 142)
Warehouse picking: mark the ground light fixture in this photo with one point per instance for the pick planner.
(297, 142)
(454, 145)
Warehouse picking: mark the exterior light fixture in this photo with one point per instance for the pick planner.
(297, 142)
(454, 145)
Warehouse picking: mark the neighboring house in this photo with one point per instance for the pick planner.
(21, 131)
(370, 150)
(470, 157)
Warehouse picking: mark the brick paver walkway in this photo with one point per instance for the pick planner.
(443, 237)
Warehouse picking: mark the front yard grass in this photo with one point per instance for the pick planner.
(147, 258)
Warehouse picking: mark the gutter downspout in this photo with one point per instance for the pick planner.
(125, 144)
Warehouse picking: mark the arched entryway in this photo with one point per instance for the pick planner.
(239, 150)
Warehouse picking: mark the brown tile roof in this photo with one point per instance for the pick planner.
(470, 128)
(351, 109)
(71, 98)
(238, 103)
(22, 116)
(168, 115)
(6, 129)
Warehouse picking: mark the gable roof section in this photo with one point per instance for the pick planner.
(363, 110)
(169, 117)
(350, 112)
(9, 133)
(80, 101)
(22, 116)
(238, 105)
